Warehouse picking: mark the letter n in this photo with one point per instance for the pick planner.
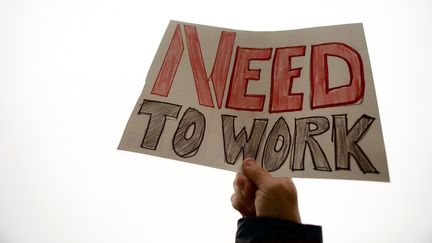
(167, 72)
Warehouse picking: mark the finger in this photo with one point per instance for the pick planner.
(239, 183)
(248, 188)
(244, 208)
(255, 172)
(244, 186)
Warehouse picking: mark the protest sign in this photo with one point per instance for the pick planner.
(301, 102)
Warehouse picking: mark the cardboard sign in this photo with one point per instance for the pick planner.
(300, 102)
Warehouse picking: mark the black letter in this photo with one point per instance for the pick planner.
(346, 143)
(184, 145)
(158, 111)
(274, 154)
(304, 135)
(235, 144)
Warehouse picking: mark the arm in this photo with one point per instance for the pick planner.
(269, 208)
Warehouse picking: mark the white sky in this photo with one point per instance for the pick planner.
(70, 74)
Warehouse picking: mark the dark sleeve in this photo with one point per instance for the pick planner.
(261, 229)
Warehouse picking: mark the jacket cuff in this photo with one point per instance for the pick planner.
(263, 229)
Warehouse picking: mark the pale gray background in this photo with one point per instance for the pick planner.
(70, 74)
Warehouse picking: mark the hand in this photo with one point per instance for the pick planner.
(257, 193)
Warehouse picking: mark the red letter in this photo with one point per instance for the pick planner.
(220, 66)
(323, 96)
(281, 98)
(237, 97)
(163, 82)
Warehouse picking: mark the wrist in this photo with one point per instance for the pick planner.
(292, 215)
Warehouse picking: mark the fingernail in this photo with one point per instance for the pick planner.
(249, 162)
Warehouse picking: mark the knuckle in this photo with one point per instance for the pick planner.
(234, 201)
(278, 186)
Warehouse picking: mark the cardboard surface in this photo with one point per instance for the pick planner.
(301, 102)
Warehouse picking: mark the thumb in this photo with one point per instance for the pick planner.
(255, 172)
